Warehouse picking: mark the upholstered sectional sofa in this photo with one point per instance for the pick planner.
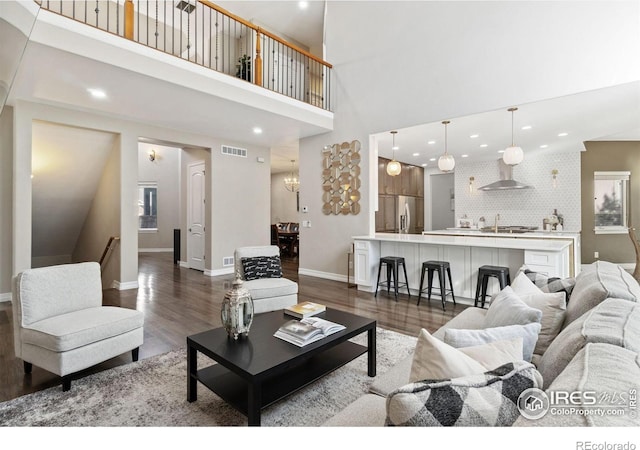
(593, 354)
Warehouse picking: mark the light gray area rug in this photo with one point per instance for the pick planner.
(153, 392)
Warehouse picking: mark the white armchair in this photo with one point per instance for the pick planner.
(268, 294)
(60, 324)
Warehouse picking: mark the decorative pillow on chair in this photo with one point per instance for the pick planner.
(488, 399)
(261, 267)
(435, 360)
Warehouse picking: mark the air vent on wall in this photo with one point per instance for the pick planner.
(227, 261)
(234, 151)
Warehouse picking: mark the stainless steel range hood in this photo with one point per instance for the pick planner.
(506, 180)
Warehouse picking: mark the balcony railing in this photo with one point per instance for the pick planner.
(205, 34)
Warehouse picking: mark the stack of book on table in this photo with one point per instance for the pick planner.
(306, 309)
(306, 331)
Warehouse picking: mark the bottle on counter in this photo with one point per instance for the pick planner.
(481, 223)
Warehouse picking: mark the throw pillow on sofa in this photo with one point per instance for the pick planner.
(552, 305)
(551, 284)
(487, 399)
(507, 308)
(435, 360)
(261, 267)
(468, 338)
(614, 321)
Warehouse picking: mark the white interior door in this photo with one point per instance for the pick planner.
(196, 216)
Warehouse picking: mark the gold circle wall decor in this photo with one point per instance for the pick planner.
(341, 178)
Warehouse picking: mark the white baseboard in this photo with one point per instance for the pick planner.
(184, 264)
(124, 286)
(325, 275)
(6, 297)
(218, 272)
(155, 250)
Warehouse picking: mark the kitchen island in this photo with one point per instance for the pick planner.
(465, 252)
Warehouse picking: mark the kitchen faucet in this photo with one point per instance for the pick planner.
(495, 227)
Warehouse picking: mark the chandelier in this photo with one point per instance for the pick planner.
(292, 182)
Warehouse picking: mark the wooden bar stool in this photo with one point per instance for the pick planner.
(393, 264)
(486, 272)
(430, 267)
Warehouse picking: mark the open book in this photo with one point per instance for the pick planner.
(305, 331)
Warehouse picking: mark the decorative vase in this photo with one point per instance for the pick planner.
(237, 310)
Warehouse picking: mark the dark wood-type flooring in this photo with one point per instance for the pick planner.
(178, 302)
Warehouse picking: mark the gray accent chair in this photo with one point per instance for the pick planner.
(61, 326)
(268, 294)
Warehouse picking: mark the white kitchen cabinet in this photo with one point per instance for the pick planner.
(366, 256)
(552, 264)
(465, 255)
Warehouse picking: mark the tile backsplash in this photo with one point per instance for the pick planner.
(526, 206)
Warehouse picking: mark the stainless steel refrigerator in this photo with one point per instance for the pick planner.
(407, 220)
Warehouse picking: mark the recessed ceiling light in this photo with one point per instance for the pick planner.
(526, 127)
(473, 136)
(500, 151)
(431, 142)
(97, 93)
(484, 145)
(424, 165)
(563, 134)
(432, 159)
(303, 5)
(257, 130)
(464, 156)
(416, 154)
(544, 146)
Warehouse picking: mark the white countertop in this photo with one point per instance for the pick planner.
(476, 232)
(474, 240)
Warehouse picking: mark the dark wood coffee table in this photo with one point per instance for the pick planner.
(260, 369)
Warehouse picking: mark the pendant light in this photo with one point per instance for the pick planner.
(393, 167)
(292, 182)
(512, 155)
(446, 163)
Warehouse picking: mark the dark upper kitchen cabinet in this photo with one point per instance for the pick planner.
(386, 183)
(409, 182)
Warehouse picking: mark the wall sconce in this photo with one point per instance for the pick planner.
(554, 178)
(471, 180)
(152, 155)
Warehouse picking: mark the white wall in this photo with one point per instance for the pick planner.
(102, 221)
(283, 201)
(523, 206)
(408, 63)
(165, 171)
(238, 191)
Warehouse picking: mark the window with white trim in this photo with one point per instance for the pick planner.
(611, 202)
(148, 206)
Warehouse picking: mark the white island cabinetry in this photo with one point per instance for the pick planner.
(465, 255)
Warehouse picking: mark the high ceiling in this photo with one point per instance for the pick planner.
(604, 114)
